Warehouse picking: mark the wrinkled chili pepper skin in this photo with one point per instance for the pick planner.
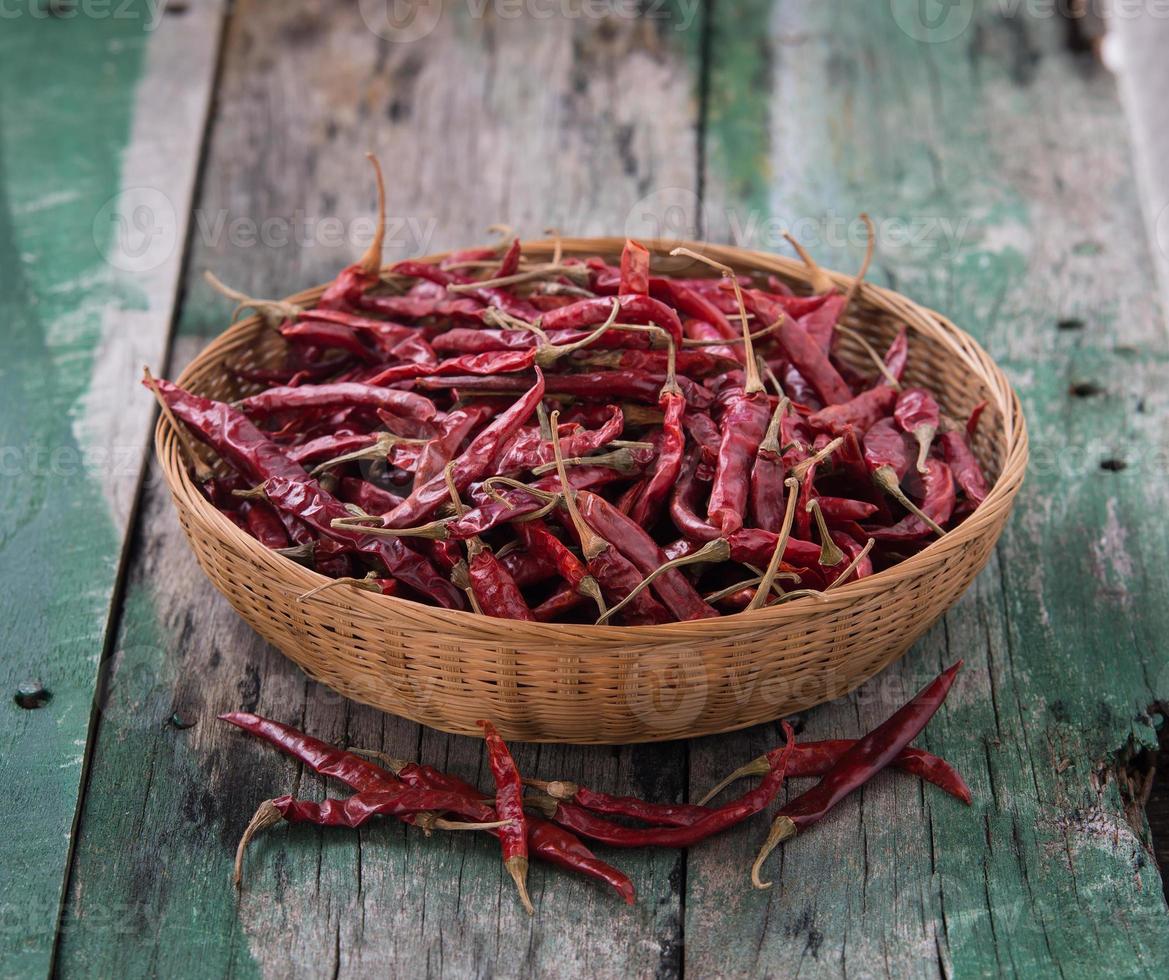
(470, 465)
(860, 413)
(635, 308)
(718, 819)
(885, 446)
(351, 769)
(937, 501)
(654, 492)
(964, 465)
(495, 590)
(356, 810)
(305, 499)
(813, 364)
(869, 755)
(743, 424)
(509, 804)
(634, 269)
(343, 394)
(631, 540)
(557, 846)
(539, 540)
(897, 356)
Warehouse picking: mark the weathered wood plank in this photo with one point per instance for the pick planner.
(1006, 156)
(90, 134)
(599, 113)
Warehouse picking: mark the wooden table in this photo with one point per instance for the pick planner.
(994, 154)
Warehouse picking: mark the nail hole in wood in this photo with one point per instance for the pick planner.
(32, 695)
(1113, 465)
(1085, 389)
(1070, 323)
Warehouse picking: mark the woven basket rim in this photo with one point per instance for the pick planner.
(299, 579)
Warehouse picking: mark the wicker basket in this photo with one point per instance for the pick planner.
(562, 683)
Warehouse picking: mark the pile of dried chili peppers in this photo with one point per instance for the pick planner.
(549, 822)
(565, 440)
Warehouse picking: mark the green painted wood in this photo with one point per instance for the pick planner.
(1004, 157)
(76, 298)
(600, 115)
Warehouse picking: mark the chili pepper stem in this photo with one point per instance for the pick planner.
(870, 247)
(517, 867)
(380, 449)
(442, 824)
(266, 816)
(432, 531)
(274, 311)
(717, 550)
(591, 588)
(591, 543)
(886, 479)
(752, 384)
(549, 354)
(559, 789)
(830, 553)
(358, 583)
(817, 278)
(756, 767)
(924, 434)
(371, 262)
(203, 472)
(764, 591)
(782, 829)
(800, 470)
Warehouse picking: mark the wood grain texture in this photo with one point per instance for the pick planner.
(81, 295)
(600, 112)
(1001, 160)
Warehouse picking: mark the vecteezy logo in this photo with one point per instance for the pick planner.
(666, 214)
(401, 21)
(136, 230)
(1161, 232)
(932, 21)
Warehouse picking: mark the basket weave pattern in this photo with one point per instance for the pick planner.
(568, 683)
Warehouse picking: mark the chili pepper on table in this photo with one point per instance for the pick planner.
(868, 756)
(509, 804)
(545, 840)
(718, 819)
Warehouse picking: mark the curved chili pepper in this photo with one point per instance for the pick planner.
(859, 413)
(838, 510)
(495, 590)
(327, 335)
(673, 588)
(471, 464)
(820, 322)
(509, 804)
(639, 387)
(304, 498)
(354, 280)
(709, 334)
(964, 465)
(718, 819)
(491, 362)
(917, 413)
(510, 261)
(804, 352)
(937, 506)
(868, 756)
(888, 459)
(488, 295)
(263, 524)
(458, 424)
(539, 541)
(768, 474)
(897, 356)
(338, 395)
(635, 308)
(529, 449)
(561, 602)
(330, 446)
(744, 423)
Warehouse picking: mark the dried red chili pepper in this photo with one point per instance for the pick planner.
(936, 508)
(868, 756)
(964, 465)
(354, 280)
(897, 356)
(634, 269)
(538, 540)
(471, 464)
(718, 819)
(339, 395)
(509, 804)
(860, 413)
(917, 413)
(888, 460)
(634, 307)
